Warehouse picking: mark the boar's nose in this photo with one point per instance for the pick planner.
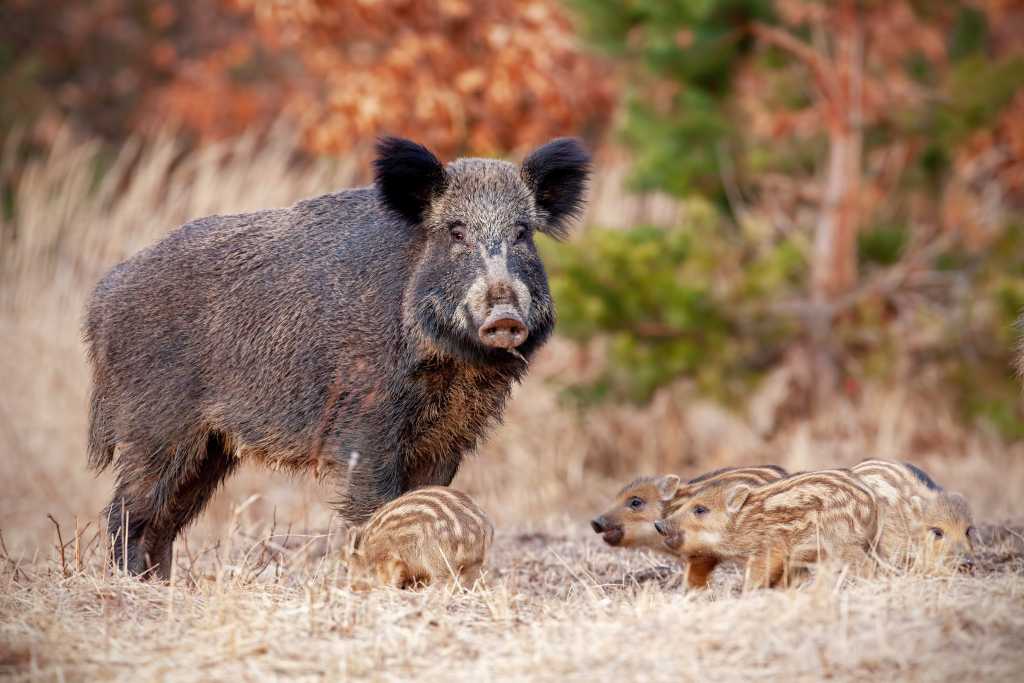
(661, 527)
(500, 292)
(599, 525)
(504, 328)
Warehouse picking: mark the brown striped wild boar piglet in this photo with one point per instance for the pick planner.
(430, 535)
(629, 522)
(924, 527)
(793, 522)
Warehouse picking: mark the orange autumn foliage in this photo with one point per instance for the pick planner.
(462, 77)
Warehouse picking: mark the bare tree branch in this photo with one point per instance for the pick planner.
(822, 70)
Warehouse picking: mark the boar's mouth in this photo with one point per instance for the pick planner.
(503, 329)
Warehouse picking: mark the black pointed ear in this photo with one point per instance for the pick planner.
(408, 176)
(557, 173)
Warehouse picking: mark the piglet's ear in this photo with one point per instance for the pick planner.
(408, 176)
(557, 173)
(667, 486)
(737, 497)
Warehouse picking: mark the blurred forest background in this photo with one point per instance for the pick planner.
(800, 207)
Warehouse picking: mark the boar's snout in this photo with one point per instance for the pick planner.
(504, 328)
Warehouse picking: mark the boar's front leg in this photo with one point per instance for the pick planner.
(430, 472)
(378, 477)
(368, 482)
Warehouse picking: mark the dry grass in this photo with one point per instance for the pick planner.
(553, 607)
(259, 592)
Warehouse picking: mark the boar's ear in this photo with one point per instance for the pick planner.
(667, 486)
(557, 173)
(737, 497)
(408, 176)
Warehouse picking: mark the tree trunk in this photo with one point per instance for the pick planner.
(834, 266)
(835, 244)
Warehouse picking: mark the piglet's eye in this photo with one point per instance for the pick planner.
(635, 503)
(700, 510)
(937, 532)
(458, 232)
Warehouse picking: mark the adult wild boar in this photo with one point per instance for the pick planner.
(388, 321)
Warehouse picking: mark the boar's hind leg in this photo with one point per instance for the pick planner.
(133, 506)
(185, 493)
(126, 523)
(156, 496)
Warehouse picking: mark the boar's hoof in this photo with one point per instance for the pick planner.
(504, 329)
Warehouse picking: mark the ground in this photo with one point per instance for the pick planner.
(553, 607)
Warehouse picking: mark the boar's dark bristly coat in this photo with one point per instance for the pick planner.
(389, 321)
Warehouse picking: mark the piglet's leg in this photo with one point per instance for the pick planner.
(470, 574)
(857, 559)
(766, 569)
(698, 571)
(393, 572)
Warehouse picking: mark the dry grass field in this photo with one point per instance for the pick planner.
(259, 588)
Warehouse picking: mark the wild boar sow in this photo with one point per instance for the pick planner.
(390, 321)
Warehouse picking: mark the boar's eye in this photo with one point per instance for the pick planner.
(700, 510)
(457, 231)
(635, 503)
(521, 231)
(970, 533)
(937, 532)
